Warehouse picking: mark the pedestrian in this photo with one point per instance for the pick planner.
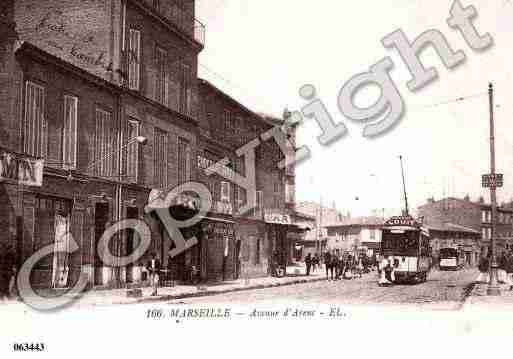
(316, 262)
(334, 266)
(359, 267)
(390, 271)
(484, 269)
(153, 268)
(509, 267)
(4, 275)
(308, 262)
(341, 265)
(327, 263)
(10, 259)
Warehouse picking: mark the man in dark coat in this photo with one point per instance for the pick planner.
(334, 266)
(327, 263)
(153, 268)
(308, 262)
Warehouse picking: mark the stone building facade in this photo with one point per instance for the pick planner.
(473, 215)
(105, 93)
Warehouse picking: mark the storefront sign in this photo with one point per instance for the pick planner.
(21, 170)
(206, 163)
(277, 218)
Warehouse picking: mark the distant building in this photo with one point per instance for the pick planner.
(470, 215)
(352, 234)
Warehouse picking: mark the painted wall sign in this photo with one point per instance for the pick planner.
(81, 32)
(21, 170)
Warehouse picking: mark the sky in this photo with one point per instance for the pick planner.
(262, 51)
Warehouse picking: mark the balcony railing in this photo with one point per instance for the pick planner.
(199, 31)
(180, 15)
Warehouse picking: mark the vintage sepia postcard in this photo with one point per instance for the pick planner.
(253, 177)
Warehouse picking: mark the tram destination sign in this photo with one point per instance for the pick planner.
(402, 221)
(493, 181)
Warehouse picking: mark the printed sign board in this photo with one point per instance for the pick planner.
(21, 170)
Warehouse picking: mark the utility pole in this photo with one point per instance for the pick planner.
(407, 210)
(493, 287)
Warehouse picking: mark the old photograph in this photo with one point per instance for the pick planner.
(204, 176)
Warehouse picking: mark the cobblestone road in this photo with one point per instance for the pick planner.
(443, 291)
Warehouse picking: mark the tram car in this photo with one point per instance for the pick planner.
(451, 259)
(406, 244)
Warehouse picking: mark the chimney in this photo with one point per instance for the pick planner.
(481, 200)
(467, 198)
(431, 200)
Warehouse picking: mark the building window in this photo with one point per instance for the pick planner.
(160, 158)
(185, 89)
(276, 201)
(259, 204)
(184, 161)
(156, 4)
(257, 251)
(372, 234)
(289, 193)
(69, 138)
(227, 118)
(161, 65)
(483, 216)
(35, 126)
(134, 59)
(104, 144)
(277, 187)
(132, 156)
(225, 191)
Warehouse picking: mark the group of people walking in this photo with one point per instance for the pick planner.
(504, 271)
(338, 266)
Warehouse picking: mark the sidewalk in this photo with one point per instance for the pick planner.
(119, 296)
(480, 301)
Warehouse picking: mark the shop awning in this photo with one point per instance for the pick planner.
(217, 219)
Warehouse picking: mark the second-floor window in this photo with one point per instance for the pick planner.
(185, 89)
(69, 135)
(134, 59)
(132, 153)
(227, 121)
(35, 126)
(161, 79)
(276, 201)
(184, 160)
(289, 193)
(259, 209)
(225, 191)
(104, 144)
(160, 158)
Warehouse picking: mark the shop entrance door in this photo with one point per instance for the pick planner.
(237, 259)
(131, 242)
(101, 217)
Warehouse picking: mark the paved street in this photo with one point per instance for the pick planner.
(442, 291)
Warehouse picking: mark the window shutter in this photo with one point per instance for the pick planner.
(225, 191)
